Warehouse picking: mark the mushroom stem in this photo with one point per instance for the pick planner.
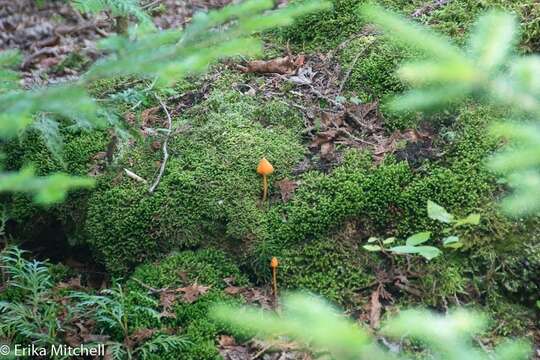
(265, 188)
(274, 283)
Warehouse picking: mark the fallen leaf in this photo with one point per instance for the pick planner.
(226, 340)
(139, 337)
(233, 290)
(287, 188)
(375, 309)
(167, 299)
(327, 151)
(193, 292)
(149, 117)
(286, 65)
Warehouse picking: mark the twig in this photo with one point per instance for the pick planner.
(262, 351)
(483, 347)
(165, 152)
(150, 4)
(349, 70)
(150, 289)
(134, 176)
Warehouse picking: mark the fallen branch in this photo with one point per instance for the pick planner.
(165, 152)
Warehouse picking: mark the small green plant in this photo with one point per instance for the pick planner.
(120, 9)
(488, 70)
(413, 244)
(31, 313)
(115, 313)
(437, 212)
(315, 323)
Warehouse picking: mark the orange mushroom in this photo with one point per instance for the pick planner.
(274, 264)
(264, 169)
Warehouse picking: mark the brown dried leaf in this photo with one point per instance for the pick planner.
(233, 290)
(375, 310)
(327, 151)
(226, 341)
(193, 292)
(286, 65)
(287, 188)
(149, 117)
(167, 299)
(139, 336)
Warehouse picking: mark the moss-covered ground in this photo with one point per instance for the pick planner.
(207, 209)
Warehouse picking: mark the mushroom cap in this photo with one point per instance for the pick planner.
(264, 167)
(274, 262)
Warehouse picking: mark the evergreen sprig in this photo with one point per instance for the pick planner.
(488, 69)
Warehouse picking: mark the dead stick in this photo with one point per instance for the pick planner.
(360, 53)
(165, 152)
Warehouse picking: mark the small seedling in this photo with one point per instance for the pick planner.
(413, 244)
(437, 212)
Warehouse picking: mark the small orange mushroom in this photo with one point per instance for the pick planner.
(274, 264)
(264, 169)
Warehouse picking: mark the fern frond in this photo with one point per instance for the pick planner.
(116, 7)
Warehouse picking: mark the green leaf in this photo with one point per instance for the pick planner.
(472, 219)
(389, 240)
(372, 247)
(437, 212)
(452, 242)
(372, 239)
(428, 252)
(493, 39)
(418, 238)
(404, 249)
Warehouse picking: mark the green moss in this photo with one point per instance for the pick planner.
(331, 27)
(76, 158)
(326, 267)
(206, 267)
(443, 280)
(210, 187)
(326, 28)
(510, 319)
(374, 73)
(118, 222)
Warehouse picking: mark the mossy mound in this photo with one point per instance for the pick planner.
(210, 190)
(454, 18)
(76, 158)
(206, 267)
(333, 269)
(389, 199)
